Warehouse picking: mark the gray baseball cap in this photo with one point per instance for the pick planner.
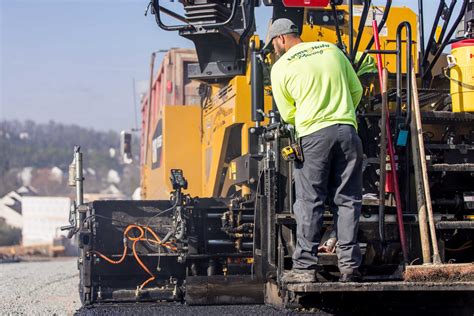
(279, 27)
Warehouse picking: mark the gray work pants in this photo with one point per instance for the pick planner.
(332, 170)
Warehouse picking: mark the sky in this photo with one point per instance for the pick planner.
(76, 61)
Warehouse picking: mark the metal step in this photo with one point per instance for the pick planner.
(219, 289)
(455, 225)
(380, 286)
(458, 167)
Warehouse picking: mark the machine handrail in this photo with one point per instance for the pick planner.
(157, 8)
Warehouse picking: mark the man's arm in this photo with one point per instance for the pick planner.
(283, 100)
(354, 84)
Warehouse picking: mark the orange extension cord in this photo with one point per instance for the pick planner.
(156, 240)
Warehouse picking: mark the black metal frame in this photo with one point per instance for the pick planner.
(340, 43)
(207, 238)
(405, 125)
(257, 86)
(388, 5)
(427, 68)
(360, 31)
(158, 8)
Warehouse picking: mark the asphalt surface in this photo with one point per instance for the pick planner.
(39, 288)
(181, 309)
(51, 288)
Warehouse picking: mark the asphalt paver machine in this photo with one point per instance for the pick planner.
(216, 223)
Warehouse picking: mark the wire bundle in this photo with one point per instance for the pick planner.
(141, 237)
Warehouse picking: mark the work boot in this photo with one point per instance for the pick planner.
(355, 276)
(299, 276)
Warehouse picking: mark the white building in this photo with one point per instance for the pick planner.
(10, 206)
(11, 213)
(42, 218)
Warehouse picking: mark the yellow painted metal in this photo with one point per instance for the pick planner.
(177, 146)
(462, 78)
(229, 108)
(169, 87)
(200, 152)
(244, 151)
(388, 34)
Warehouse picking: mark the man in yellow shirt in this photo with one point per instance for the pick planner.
(317, 90)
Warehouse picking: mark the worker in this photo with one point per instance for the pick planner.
(317, 90)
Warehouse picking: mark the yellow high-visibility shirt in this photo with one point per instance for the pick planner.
(315, 86)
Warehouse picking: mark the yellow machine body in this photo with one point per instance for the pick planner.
(387, 35)
(224, 119)
(226, 122)
(172, 131)
(175, 144)
(462, 78)
(194, 138)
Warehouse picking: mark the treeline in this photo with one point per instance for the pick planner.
(39, 146)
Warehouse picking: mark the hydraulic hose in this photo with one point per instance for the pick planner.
(386, 11)
(446, 39)
(135, 240)
(360, 30)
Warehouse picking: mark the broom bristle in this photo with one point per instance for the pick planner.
(440, 273)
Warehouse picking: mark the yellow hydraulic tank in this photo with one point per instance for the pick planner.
(462, 76)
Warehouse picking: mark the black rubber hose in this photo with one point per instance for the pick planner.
(360, 30)
(388, 5)
(421, 16)
(351, 27)
(446, 22)
(447, 38)
(433, 32)
(340, 44)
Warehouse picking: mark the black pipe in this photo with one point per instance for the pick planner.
(421, 17)
(340, 44)
(388, 5)
(446, 22)
(408, 169)
(224, 23)
(406, 127)
(408, 59)
(431, 39)
(250, 21)
(257, 87)
(157, 8)
(174, 15)
(360, 30)
(351, 27)
(455, 40)
(447, 38)
(382, 51)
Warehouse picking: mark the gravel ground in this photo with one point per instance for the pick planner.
(50, 288)
(39, 288)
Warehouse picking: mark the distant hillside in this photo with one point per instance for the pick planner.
(41, 153)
